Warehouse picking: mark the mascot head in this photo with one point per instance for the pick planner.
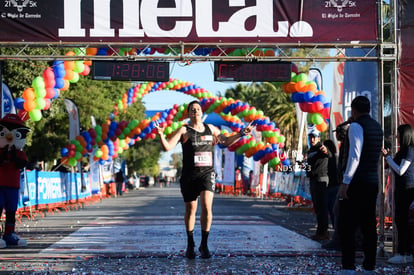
(12, 132)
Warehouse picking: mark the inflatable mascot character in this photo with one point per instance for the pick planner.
(12, 159)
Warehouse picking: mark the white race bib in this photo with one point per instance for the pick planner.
(203, 159)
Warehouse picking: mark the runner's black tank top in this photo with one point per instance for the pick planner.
(198, 152)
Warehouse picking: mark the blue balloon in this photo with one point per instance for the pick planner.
(286, 162)
(275, 146)
(146, 130)
(308, 96)
(60, 83)
(113, 125)
(64, 152)
(258, 155)
(320, 98)
(102, 51)
(327, 105)
(56, 93)
(293, 97)
(18, 103)
(300, 97)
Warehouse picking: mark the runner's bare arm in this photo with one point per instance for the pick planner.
(227, 141)
(167, 145)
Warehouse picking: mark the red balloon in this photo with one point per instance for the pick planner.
(326, 112)
(48, 74)
(47, 104)
(86, 70)
(317, 107)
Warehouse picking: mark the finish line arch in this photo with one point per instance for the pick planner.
(114, 137)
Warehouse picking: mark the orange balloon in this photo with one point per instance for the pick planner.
(311, 87)
(29, 94)
(69, 74)
(91, 51)
(69, 65)
(290, 87)
(66, 86)
(64, 160)
(322, 127)
(300, 86)
(29, 105)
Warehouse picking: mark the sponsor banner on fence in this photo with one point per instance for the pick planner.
(54, 187)
(196, 21)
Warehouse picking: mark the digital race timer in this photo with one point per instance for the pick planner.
(252, 71)
(131, 70)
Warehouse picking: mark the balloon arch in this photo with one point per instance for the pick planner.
(111, 138)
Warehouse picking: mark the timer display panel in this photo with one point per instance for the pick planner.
(131, 70)
(252, 71)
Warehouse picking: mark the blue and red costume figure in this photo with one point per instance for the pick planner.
(13, 134)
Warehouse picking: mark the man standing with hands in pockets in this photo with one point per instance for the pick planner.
(359, 188)
(198, 176)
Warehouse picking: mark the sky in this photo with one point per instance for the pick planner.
(201, 74)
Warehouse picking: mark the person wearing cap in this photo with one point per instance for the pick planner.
(318, 158)
(359, 188)
(341, 133)
(12, 159)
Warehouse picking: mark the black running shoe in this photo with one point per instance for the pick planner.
(189, 253)
(205, 253)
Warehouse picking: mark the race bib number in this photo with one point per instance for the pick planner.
(203, 159)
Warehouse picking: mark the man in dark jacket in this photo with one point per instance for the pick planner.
(359, 187)
(318, 157)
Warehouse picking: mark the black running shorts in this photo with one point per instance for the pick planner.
(193, 185)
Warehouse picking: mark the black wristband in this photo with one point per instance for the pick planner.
(241, 132)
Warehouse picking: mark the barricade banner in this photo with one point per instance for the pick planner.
(54, 187)
(294, 184)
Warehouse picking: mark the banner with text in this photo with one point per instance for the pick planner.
(192, 21)
(360, 78)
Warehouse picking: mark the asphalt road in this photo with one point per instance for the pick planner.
(142, 232)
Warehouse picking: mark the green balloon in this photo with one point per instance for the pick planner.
(302, 77)
(35, 115)
(72, 161)
(98, 129)
(75, 78)
(40, 103)
(98, 153)
(79, 67)
(317, 118)
(40, 92)
(38, 82)
(78, 155)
